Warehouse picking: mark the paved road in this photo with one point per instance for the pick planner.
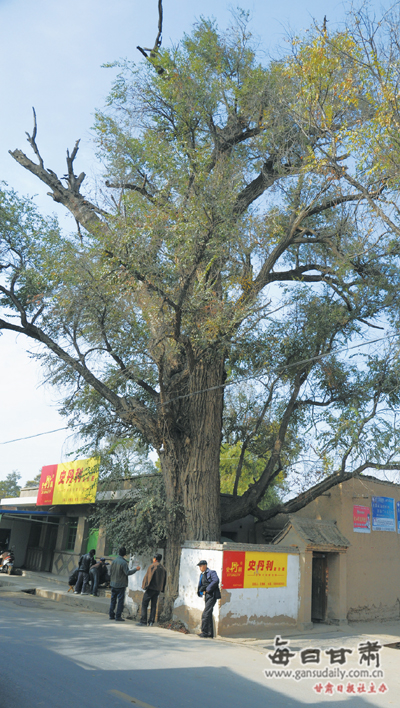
(58, 657)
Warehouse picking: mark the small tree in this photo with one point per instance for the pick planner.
(9, 487)
(35, 481)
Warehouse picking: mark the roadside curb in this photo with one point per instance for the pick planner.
(52, 591)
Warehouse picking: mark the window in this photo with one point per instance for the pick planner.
(72, 530)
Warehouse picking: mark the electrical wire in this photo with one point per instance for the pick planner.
(28, 437)
(234, 381)
(283, 368)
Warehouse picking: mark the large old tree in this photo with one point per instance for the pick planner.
(220, 289)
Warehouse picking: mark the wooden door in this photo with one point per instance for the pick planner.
(319, 587)
(48, 548)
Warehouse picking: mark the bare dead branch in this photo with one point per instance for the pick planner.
(32, 139)
(83, 210)
(73, 181)
(157, 43)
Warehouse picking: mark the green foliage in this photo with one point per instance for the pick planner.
(9, 487)
(134, 511)
(253, 223)
(139, 520)
(253, 467)
(35, 481)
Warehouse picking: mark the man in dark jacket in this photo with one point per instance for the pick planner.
(119, 582)
(153, 583)
(96, 573)
(85, 563)
(208, 587)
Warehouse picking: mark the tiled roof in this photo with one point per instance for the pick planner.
(315, 533)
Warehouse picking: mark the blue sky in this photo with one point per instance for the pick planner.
(51, 55)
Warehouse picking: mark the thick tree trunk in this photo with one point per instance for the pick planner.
(200, 478)
(190, 466)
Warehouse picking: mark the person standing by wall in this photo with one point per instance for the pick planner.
(153, 583)
(85, 563)
(208, 587)
(119, 582)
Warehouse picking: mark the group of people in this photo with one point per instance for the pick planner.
(90, 574)
(153, 583)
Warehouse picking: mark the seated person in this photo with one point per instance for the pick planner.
(97, 575)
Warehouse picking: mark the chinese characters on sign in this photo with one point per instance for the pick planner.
(69, 483)
(282, 656)
(367, 668)
(383, 514)
(353, 688)
(233, 569)
(361, 519)
(242, 569)
(46, 486)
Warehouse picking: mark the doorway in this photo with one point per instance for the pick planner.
(319, 587)
(49, 544)
(5, 535)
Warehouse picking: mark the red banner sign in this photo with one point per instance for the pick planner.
(69, 483)
(233, 569)
(361, 519)
(46, 488)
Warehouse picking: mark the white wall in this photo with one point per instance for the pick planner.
(241, 611)
(189, 577)
(135, 581)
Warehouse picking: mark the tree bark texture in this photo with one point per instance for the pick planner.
(191, 435)
(190, 466)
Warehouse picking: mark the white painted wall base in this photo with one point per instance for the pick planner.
(241, 612)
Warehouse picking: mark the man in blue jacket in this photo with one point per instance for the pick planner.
(208, 588)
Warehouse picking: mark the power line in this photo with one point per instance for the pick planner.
(28, 437)
(283, 368)
(234, 381)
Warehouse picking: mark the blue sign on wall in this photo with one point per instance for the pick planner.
(383, 518)
(398, 516)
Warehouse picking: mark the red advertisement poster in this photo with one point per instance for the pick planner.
(46, 487)
(361, 519)
(233, 569)
(69, 483)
